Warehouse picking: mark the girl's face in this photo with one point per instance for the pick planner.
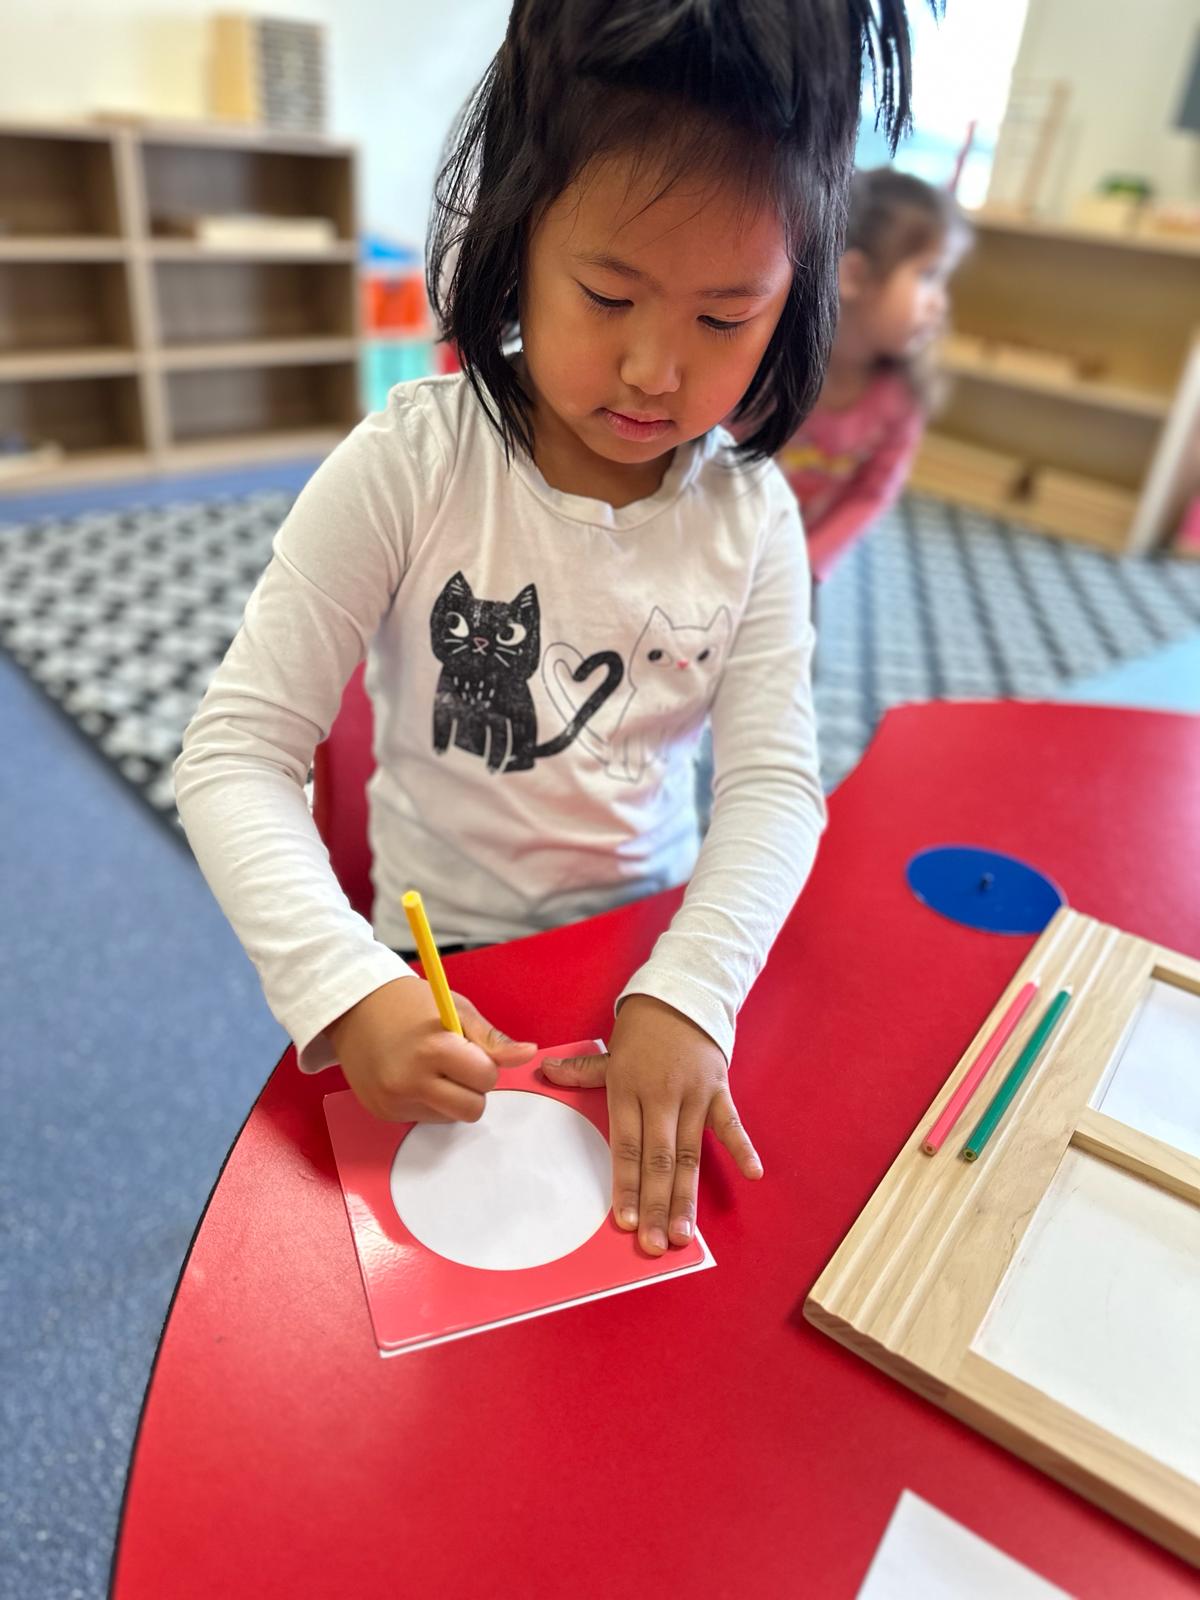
(643, 320)
(900, 313)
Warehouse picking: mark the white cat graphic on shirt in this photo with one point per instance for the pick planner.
(669, 680)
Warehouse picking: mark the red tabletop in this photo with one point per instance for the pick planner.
(698, 1437)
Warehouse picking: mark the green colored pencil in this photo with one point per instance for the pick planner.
(1017, 1074)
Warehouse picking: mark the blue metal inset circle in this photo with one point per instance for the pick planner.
(984, 889)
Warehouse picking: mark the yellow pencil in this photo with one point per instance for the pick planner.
(414, 910)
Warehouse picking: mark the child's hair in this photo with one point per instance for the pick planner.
(893, 217)
(761, 93)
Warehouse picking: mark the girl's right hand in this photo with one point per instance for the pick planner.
(403, 1066)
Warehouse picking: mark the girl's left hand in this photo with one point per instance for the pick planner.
(667, 1081)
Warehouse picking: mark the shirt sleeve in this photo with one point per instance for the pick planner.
(872, 490)
(337, 563)
(768, 806)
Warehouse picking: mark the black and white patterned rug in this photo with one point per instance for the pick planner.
(940, 603)
(121, 617)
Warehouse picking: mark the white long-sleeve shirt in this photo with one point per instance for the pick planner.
(541, 666)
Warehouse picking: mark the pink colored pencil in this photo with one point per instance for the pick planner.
(977, 1071)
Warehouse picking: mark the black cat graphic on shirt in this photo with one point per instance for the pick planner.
(489, 650)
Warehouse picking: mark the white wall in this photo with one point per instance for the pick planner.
(1126, 62)
(398, 71)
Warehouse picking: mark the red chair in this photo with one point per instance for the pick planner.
(341, 767)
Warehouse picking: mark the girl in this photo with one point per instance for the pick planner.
(849, 460)
(557, 567)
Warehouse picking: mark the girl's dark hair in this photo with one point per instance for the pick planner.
(893, 217)
(762, 92)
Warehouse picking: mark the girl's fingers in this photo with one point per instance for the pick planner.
(727, 1125)
(454, 1101)
(406, 1111)
(418, 1111)
(577, 1072)
(625, 1141)
(505, 1051)
(466, 1064)
(659, 1128)
(688, 1140)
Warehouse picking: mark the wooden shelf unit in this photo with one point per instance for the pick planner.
(1073, 362)
(82, 414)
(141, 353)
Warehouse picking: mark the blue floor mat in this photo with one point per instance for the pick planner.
(1168, 680)
(135, 1042)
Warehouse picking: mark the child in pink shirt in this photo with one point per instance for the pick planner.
(848, 461)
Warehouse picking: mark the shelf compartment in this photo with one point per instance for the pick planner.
(254, 402)
(49, 308)
(1111, 446)
(83, 415)
(948, 465)
(226, 180)
(970, 360)
(233, 302)
(1019, 487)
(57, 187)
(1118, 315)
(1082, 508)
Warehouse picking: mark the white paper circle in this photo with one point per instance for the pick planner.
(526, 1184)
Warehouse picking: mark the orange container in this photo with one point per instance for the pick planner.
(395, 300)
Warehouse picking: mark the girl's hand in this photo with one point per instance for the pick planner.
(667, 1081)
(403, 1066)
